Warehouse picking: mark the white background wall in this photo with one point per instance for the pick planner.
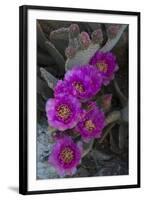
(9, 50)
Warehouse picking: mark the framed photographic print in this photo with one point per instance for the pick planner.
(79, 99)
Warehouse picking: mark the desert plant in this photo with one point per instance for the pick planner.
(82, 51)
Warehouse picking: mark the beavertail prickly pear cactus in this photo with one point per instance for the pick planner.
(82, 47)
(88, 68)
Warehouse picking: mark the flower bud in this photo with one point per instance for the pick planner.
(97, 36)
(74, 30)
(85, 40)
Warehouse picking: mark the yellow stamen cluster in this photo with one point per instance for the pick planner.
(79, 87)
(102, 66)
(66, 155)
(63, 111)
(89, 125)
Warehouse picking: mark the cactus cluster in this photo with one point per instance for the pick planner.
(80, 47)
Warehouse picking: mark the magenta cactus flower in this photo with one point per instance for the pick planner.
(63, 112)
(85, 81)
(106, 64)
(66, 156)
(92, 124)
(62, 87)
(89, 106)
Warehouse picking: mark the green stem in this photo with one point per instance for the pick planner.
(88, 149)
(106, 132)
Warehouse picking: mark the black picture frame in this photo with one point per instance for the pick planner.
(23, 95)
